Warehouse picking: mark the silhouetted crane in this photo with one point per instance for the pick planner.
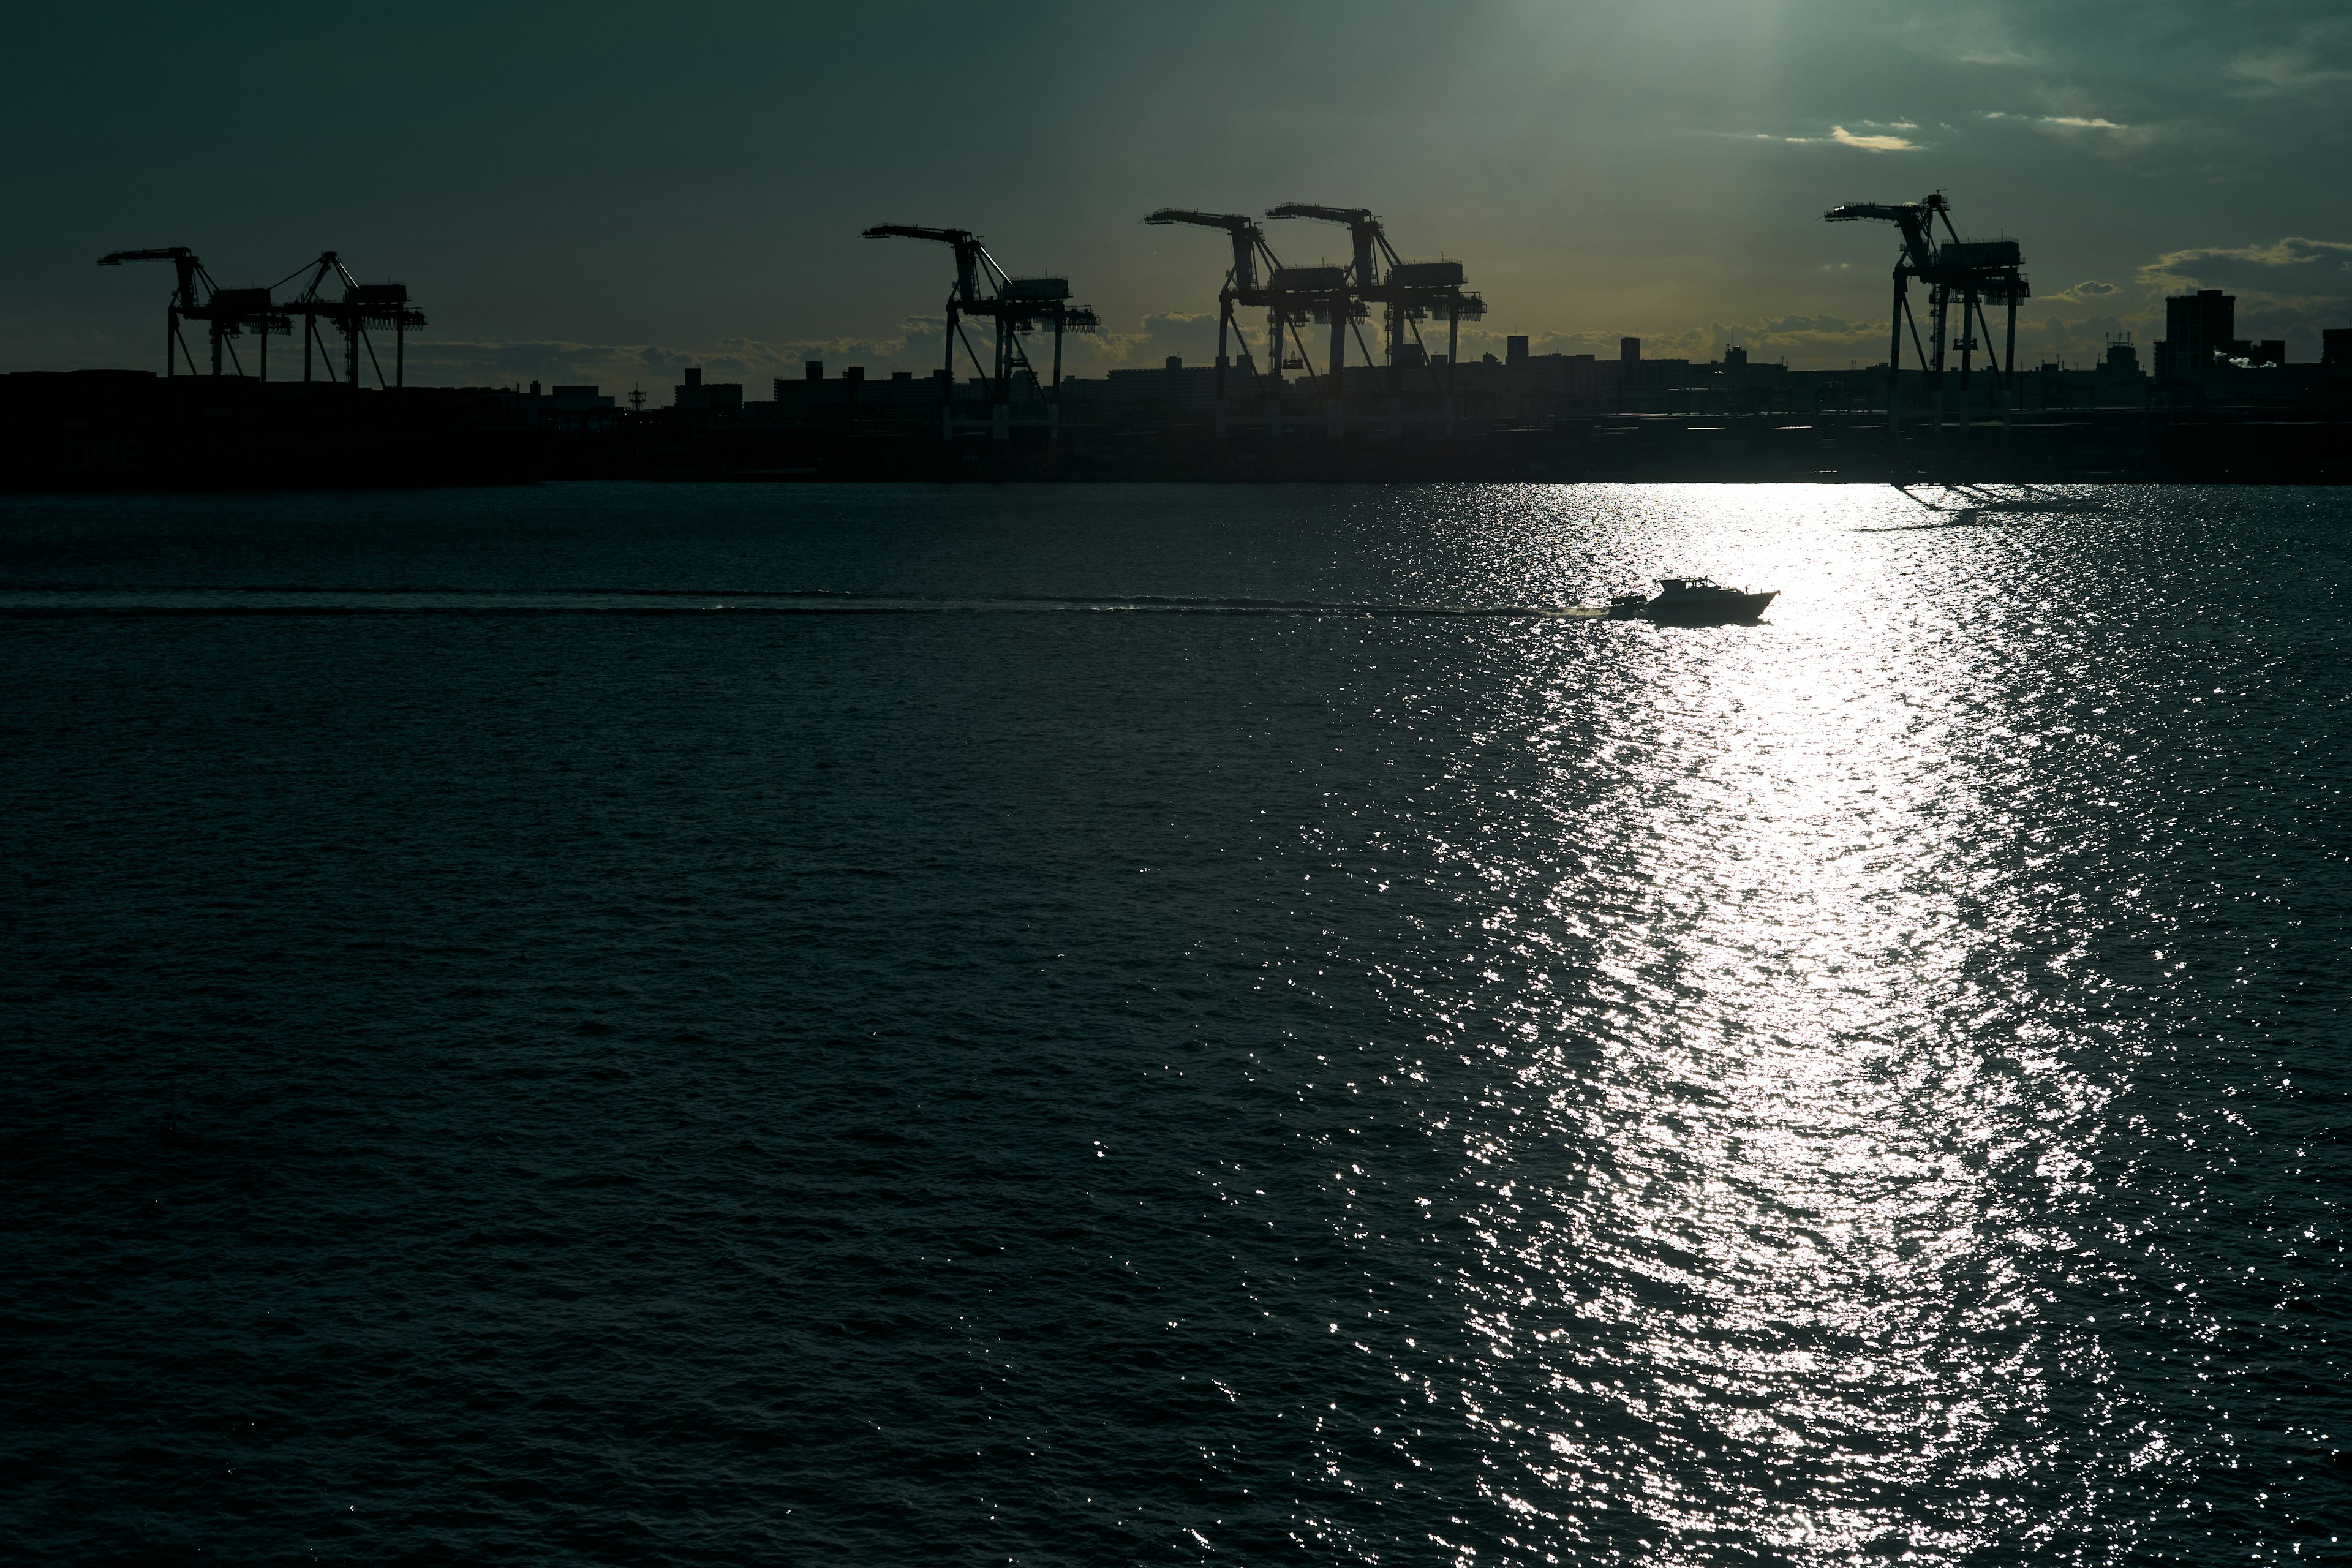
(1018, 305)
(361, 306)
(1972, 272)
(1411, 290)
(185, 304)
(1241, 286)
(1365, 234)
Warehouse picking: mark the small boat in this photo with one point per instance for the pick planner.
(1693, 600)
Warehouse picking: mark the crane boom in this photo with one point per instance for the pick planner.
(181, 257)
(1916, 219)
(1247, 238)
(1363, 230)
(969, 252)
(1966, 273)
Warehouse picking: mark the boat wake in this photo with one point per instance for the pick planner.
(438, 601)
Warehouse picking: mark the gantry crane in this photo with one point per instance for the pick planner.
(225, 311)
(230, 312)
(1971, 272)
(1240, 288)
(1412, 291)
(362, 306)
(1018, 305)
(1356, 282)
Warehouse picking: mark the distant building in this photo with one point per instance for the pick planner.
(1193, 389)
(1515, 351)
(2336, 347)
(1629, 351)
(577, 400)
(2199, 332)
(699, 396)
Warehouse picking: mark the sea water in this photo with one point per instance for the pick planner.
(648, 1023)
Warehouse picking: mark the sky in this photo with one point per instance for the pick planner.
(593, 192)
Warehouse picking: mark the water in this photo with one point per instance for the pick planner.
(668, 1024)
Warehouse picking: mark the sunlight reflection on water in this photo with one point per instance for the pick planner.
(1788, 1126)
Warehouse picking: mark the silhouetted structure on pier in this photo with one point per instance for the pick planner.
(1017, 306)
(1340, 298)
(232, 313)
(1969, 273)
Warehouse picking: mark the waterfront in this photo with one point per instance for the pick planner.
(1148, 1022)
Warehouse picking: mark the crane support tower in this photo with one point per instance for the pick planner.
(1409, 293)
(1242, 286)
(1018, 305)
(1971, 274)
(359, 307)
(226, 312)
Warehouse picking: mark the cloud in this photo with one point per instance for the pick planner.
(2299, 66)
(2113, 135)
(1875, 137)
(2320, 268)
(2082, 293)
(1845, 138)
(1971, 37)
(2282, 288)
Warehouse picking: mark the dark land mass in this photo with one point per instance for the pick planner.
(132, 430)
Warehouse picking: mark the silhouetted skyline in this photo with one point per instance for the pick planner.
(608, 196)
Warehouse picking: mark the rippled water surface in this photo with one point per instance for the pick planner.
(682, 1024)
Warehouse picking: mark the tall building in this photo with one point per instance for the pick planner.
(2200, 329)
(699, 394)
(2336, 346)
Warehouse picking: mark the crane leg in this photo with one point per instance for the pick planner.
(2009, 370)
(947, 380)
(1894, 363)
(1339, 388)
(1453, 357)
(1000, 414)
(1224, 323)
(1967, 358)
(1273, 373)
(1943, 303)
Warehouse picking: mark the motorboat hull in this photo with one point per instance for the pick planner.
(1700, 609)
